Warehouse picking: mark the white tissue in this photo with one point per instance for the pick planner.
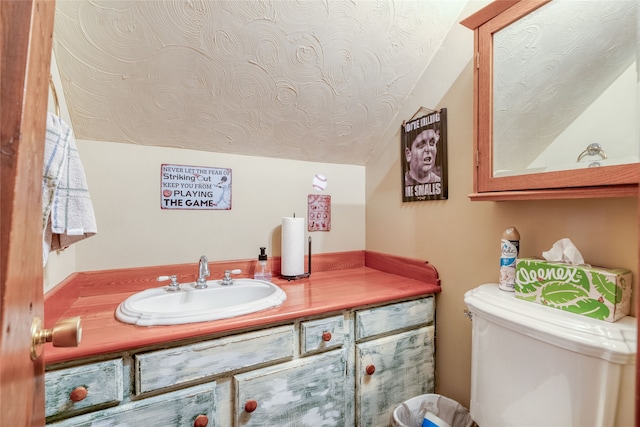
(565, 251)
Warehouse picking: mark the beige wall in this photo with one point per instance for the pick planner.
(461, 238)
(133, 231)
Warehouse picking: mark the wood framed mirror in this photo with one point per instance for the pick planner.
(538, 84)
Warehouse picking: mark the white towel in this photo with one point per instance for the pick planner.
(67, 212)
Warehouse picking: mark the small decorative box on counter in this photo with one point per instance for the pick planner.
(598, 292)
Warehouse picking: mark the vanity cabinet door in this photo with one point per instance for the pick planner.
(307, 392)
(390, 370)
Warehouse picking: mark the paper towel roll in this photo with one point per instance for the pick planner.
(292, 263)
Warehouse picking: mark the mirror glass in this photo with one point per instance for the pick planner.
(565, 88)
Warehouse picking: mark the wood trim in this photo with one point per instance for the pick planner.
(612, 176)
(476, 108)
(405, 267)
(486, 13)
(560, 193)
(514, 13)
(492, 10)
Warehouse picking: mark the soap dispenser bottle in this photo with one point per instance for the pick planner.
(262, 270)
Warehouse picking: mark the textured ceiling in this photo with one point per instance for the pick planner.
(317, 80)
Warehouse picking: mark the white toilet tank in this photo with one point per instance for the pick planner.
(538, 366)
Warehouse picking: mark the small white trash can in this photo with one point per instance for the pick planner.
(412, 412)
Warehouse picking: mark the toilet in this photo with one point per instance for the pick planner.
(535, 366)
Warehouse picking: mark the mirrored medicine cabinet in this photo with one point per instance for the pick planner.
(556, 99)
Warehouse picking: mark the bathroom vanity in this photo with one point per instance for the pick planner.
(350, 343)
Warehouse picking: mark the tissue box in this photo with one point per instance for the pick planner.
(601, 293)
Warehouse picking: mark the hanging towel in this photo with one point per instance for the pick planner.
(67, 212)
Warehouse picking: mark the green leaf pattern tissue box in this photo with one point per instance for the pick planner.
(598, 292)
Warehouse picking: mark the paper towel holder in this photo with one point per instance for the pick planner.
(303, 275)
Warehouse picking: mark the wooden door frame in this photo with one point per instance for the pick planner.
(26, 38)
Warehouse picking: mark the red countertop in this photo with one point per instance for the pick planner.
(339, 281)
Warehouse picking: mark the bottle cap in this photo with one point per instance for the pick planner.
(263, 254)
(511, 233)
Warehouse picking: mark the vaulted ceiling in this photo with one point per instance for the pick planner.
(316, 80)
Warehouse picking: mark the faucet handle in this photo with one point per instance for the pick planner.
(173, 286)
(228, 273)
(227, 280)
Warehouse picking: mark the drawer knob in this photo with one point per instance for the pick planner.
(326, 336)
(201, 421)
(78, 394)
(251, 405)
(370, 369)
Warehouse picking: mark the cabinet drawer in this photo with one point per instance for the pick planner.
(304, 392)
(163, 368)
(101, 381)
(393, 317)
(322, 334)
(177, 409)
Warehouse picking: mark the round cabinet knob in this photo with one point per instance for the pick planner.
(370, 369)
(251, 405)
(201, 421)
(326, 336)
(78, 394)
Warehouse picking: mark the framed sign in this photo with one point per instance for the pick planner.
(424, 158)
(195, 187)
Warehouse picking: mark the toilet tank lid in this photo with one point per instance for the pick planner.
(615, 342)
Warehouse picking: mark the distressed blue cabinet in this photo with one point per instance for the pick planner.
(312, 372)
(181, 409)
(391, 370)
(394, 358)
(179, 365)
(307, 392)
(94, 385)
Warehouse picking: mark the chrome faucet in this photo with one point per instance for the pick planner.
(203, 273)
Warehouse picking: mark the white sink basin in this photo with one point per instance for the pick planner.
(157, 306)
